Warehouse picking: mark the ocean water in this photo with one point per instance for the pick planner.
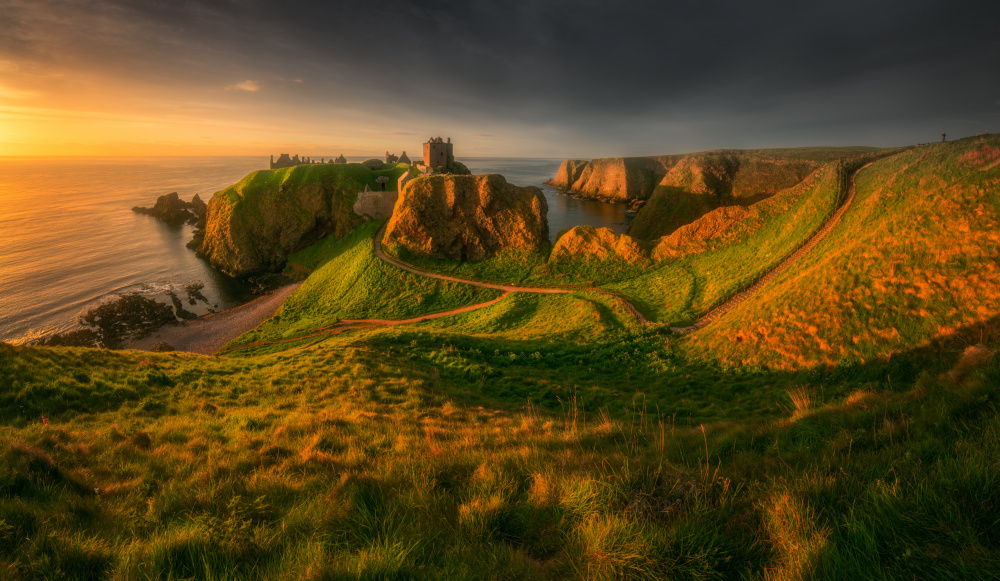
(69, 240)
(564, 211)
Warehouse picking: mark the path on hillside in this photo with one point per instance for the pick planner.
(381, 255)
(347, 324)
(783, 265)
(350, 324)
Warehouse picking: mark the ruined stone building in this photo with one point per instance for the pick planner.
(404, 159)
(437, 153)
(390, 158)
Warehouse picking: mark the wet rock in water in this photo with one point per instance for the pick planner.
(77, 338)
(130, 315)
(179, 309)
(468, 217)
(194, 294)
(170, 209)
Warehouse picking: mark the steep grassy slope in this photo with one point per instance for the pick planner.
(682, 288)
(350, 283)
(550, 437)
(411, 454)
(915, 258)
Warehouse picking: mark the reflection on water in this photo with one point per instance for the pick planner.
(564, 211)
(68, 237)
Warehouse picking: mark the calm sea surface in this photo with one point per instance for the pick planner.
(69, 240)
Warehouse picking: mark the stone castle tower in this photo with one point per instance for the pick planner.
(437, 153)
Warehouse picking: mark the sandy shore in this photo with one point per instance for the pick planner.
(209, 333)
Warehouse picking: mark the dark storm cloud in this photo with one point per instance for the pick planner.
(619, 71)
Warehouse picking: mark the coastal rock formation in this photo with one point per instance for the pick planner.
(170, 209)
(693, 237)
(612, 179)
(569, 172)
(468, 217)
(376, 205)
(587, 243)
(254, 225)
(700, 183)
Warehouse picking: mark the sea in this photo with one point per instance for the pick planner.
(70, 241)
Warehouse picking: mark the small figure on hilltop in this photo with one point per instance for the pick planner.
(943, 135)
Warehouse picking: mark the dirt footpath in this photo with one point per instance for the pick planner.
(209, 333)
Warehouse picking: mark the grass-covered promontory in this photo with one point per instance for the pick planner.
(253, 225)
(554, 436)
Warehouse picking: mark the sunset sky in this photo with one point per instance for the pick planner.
(535, 78)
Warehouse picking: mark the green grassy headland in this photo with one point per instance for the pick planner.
(551, 436)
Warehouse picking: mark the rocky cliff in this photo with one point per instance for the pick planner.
(589, 243)
(612, 179)
(700, 183)
(253, 226)
(468, 217)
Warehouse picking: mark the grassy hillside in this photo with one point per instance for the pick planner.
(551, 436)
(378, 456)
(351, 176)
(682, 288)
(914, 259)
(698, 184)
(348, 282)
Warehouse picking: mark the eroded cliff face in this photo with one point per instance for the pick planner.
(613, 179)
(468, 217)
(569, 172)
(589, 243)
(701, 183)
(253, 226)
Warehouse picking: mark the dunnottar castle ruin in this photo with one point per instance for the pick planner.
(438, 153)
(439, 157)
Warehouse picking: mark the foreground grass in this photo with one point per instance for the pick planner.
(356, 458)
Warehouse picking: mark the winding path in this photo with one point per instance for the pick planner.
(712, 315)
(783, 265)
(348, 324)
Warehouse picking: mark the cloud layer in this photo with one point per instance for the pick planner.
(542, 77)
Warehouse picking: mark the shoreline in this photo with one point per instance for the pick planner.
(209, 333)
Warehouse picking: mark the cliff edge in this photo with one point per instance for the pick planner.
(468, 217)
(253, 226)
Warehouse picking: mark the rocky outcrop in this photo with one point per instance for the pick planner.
(694, 237)
(376, 205)
(372, 163)
(170, 209)
(701, 183)
(468, 217)
(613, 179)
(589, 243)
(254, 225)
(569, 172)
